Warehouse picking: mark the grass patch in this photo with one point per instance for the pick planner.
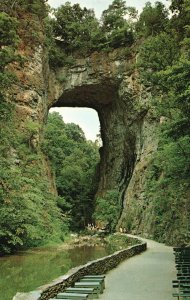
(116, 242)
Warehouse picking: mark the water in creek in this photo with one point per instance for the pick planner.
(28, 270)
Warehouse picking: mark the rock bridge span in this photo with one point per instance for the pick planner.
(110, 85)
(91, 82)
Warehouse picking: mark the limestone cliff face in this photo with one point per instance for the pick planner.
(136, 215)
(29, 95)
(109, 84)
(128, 126)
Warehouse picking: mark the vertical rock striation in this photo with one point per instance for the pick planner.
(106, 82)
(128, 126)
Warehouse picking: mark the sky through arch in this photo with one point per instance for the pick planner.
(86, 118)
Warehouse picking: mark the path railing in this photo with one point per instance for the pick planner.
(182, 283)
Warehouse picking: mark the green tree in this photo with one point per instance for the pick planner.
(156, 54)
(15, 7)
(74, 162)
(108, 209)
(113, 17)
(75, 27)
(28, 212)
(117, 29)
(153, 20)
(9, 39)
(8, 30)
(180, 18)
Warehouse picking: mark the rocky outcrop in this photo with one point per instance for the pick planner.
(128, 126)
(109, 84)
(136, 209)
(29, 95)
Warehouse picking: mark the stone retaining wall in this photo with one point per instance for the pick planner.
(99, 266)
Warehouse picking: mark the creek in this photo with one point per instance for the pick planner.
(28, 270)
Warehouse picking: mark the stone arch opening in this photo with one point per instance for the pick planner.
(104, 97)
(85, 117)
(108, 86)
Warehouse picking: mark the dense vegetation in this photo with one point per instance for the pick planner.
(161, 38)
(169, 178)
(164, 65)
(74, 161)
(76, 31)
(108, 210)
(29, 213)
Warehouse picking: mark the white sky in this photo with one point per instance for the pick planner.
(87, 118)
(100, 5)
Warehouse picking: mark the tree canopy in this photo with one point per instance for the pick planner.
(74, 160)
(75, 27)
(153, 19)
(77, 30)
(164, 61)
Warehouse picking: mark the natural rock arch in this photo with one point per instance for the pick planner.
(109, 86)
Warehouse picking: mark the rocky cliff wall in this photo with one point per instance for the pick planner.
(109, 84)
(29, 215)
(29, 95)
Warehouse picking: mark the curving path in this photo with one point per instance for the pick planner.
(146, 276)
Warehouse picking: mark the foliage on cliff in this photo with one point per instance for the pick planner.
(164, 64)
(75, 30)
(74, 161)
(8, 41)
(108, 210)
(28, 214)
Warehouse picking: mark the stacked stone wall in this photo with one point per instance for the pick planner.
(99, 266)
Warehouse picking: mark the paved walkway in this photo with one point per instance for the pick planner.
(146, 276)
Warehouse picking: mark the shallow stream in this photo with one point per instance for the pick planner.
(28, 270)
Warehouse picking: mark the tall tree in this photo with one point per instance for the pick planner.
(180, 18)
(117, 29)
(153, 19)
(156, 54)
(74, 160)
(75, 27)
